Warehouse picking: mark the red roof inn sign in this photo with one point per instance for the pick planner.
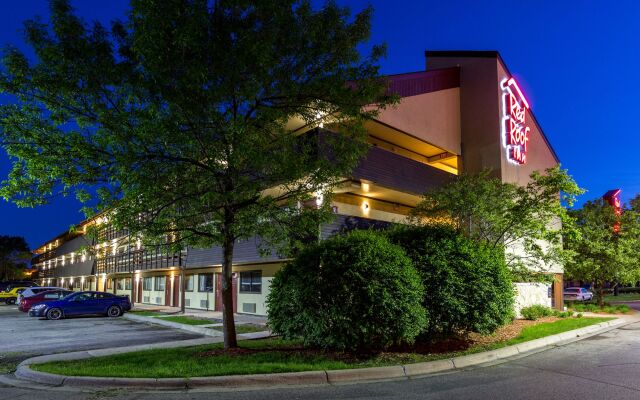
(515, 132)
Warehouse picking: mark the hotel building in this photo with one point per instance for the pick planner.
(464, 113)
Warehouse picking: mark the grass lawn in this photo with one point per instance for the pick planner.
(144, 313)
(244, 328)
(182, 319)
(622, 297)
(268, 356)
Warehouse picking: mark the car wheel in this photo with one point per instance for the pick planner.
(11, 301)
(54, 314)
(114, 311)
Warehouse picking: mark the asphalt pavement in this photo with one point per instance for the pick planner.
(22, 336)
(605, 366)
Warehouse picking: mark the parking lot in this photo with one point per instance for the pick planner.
(26, 336)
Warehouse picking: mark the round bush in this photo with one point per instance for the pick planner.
(356, 292)
(467, 284)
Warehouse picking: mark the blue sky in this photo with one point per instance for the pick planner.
(576, 61)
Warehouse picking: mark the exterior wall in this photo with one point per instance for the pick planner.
(194, 299)
(528, 294)
(259, 299)
(433, 117)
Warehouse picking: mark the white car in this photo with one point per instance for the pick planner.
(32, 291)
(577, 294)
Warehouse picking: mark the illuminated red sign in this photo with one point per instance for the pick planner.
(515, 132)
(613, 198)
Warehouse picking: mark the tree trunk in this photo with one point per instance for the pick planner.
(229, 327)
(616, 289)
(600, 295)
(183, 284)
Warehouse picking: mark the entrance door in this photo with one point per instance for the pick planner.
(139, 291)
(167, 291)
(176, 291)
(234, 290)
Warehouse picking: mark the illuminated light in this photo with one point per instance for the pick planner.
(82, 280)
(63, 260)
(365, 187)
(138, 244)
(515, 132)
(83, 258)
(365, 206)
(319, 199)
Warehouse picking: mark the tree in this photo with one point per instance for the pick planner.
(528, 221)
(176, 120)
(14, 256)
(604, 254)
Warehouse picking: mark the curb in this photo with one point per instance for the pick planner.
(307, 378)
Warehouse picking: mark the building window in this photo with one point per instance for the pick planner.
(251, 282)
(147, 283)
(190, 280)
(119, 285)
(109, 283)
(127, 284)
(205, 283)
(160, 283)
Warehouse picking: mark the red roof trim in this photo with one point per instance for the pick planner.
(415, 83)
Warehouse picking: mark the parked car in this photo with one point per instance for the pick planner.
(32, 291)
(83, 303)
(8, 285)
(577, 294)
(42, 297)
(10, 296)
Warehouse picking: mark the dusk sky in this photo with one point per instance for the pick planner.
(577, 63)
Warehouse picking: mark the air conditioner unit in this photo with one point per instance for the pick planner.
(187, 302)
(204, 304)
(158, 300)
(249, 308)
(146, 299)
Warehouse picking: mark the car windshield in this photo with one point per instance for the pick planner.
(572, 290)
(69, 296)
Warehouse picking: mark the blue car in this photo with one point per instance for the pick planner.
(83, 303)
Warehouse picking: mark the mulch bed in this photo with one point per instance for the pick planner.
(447, 345)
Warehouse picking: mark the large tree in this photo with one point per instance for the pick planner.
(608, 247)
(14, 257)
(529, 221)
(177, 119)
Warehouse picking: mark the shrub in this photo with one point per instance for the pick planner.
(467, 284)
(536, 311)
(354, 292)
(622, 308)
(579, 315)
(591, 308)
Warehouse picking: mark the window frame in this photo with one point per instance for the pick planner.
(200, 286)
(145, 287)
(189, 279)
(159, 279)
(253, 275)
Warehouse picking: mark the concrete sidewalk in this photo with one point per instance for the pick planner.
(217, 315)
(329, 377)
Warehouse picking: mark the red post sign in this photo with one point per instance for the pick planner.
(613, 198)
(515, 132)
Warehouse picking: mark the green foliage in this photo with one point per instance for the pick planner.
(467, 284)
(601, 254)
(175, 120)
(14, 257)
(353, 292)
(606, 308)
(579, 315)
(536, 311)
(508, 215)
